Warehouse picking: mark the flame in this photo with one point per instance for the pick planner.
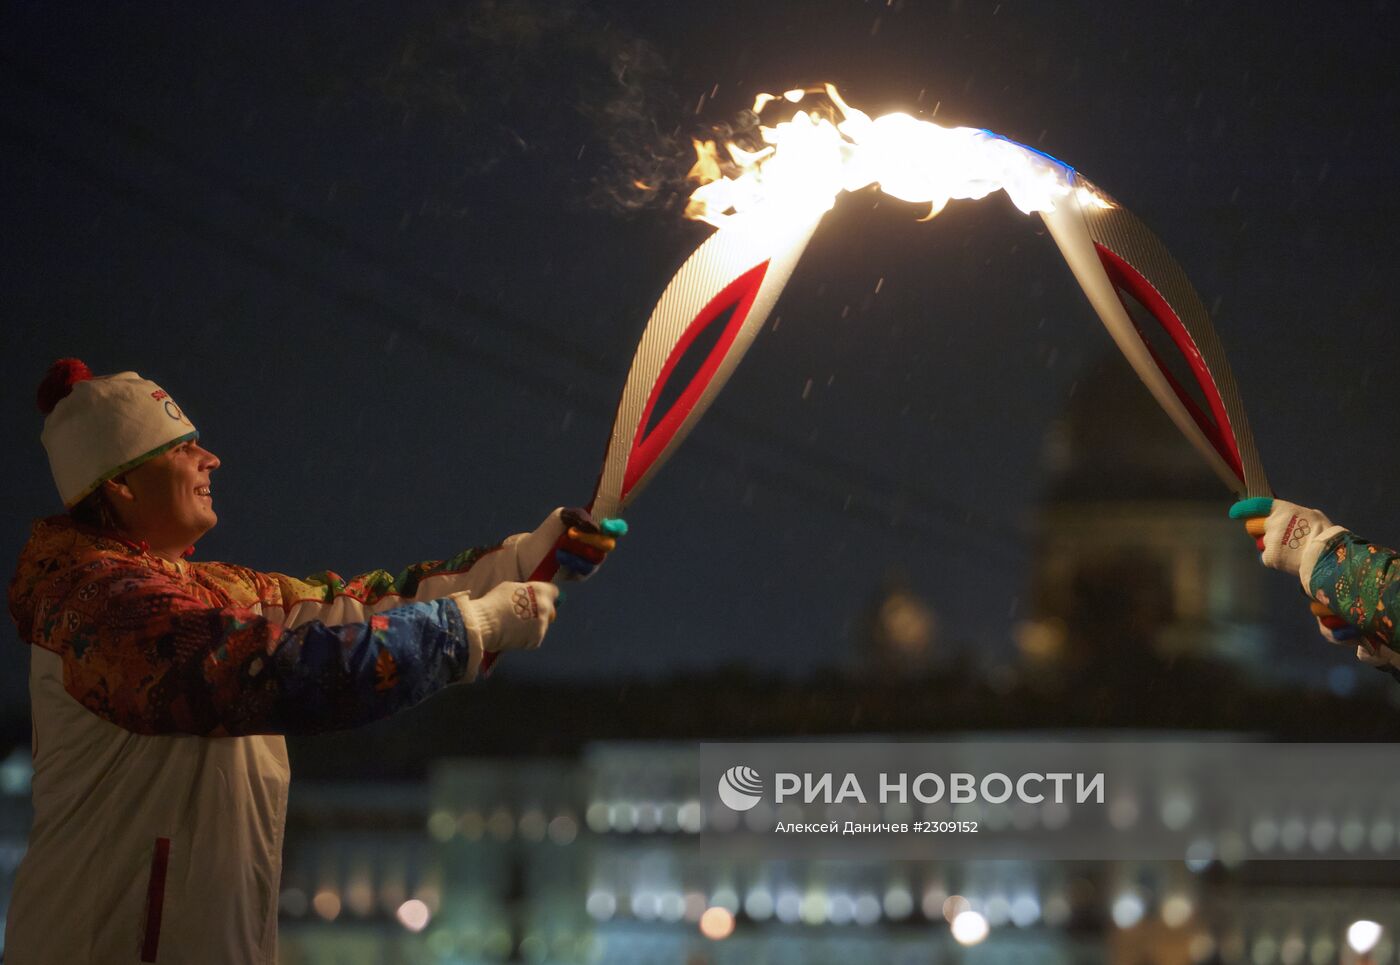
(811, 158)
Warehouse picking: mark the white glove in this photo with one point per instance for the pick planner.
(512, 616)
(1293, 538)
(532, 548)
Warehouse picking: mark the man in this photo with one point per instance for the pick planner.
(1354, 584)
(160, 688)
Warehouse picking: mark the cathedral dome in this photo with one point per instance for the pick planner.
(1113, 442)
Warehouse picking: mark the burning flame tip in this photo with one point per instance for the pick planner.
(836, 99)
(815, 155)
(762, 101)
(935, 208)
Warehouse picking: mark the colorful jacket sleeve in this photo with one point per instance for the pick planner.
(1361, 583)
(328, 598)
(143, 652)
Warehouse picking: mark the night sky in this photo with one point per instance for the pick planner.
(390, 263)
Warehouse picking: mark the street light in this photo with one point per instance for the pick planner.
(1363, 935)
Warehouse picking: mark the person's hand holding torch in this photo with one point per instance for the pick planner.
(1348, 580)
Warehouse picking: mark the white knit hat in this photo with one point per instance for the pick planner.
(99, 427)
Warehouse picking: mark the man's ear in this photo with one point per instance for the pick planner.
(118, 491)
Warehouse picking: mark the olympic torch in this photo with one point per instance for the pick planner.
(1118, 261)
(723, 292)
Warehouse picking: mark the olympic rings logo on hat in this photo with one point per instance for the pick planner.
(171, 409)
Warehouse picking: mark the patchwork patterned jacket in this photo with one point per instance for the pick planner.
(1361, 583)
(159, 692)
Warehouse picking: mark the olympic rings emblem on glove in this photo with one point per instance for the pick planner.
(1298, 532)
(525, 604)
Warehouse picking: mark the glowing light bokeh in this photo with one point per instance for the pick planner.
(414, 915)
(1362, 935)
(970, 928)
(717, 924)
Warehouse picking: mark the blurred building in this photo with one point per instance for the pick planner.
(1135, 562)
(601, 859)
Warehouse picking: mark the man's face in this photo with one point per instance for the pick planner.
(167, 500)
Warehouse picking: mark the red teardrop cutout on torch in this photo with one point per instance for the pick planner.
(728, 309)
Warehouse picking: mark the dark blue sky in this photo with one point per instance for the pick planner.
(369, 251)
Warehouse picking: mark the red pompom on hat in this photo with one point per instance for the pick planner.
(59, 381)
